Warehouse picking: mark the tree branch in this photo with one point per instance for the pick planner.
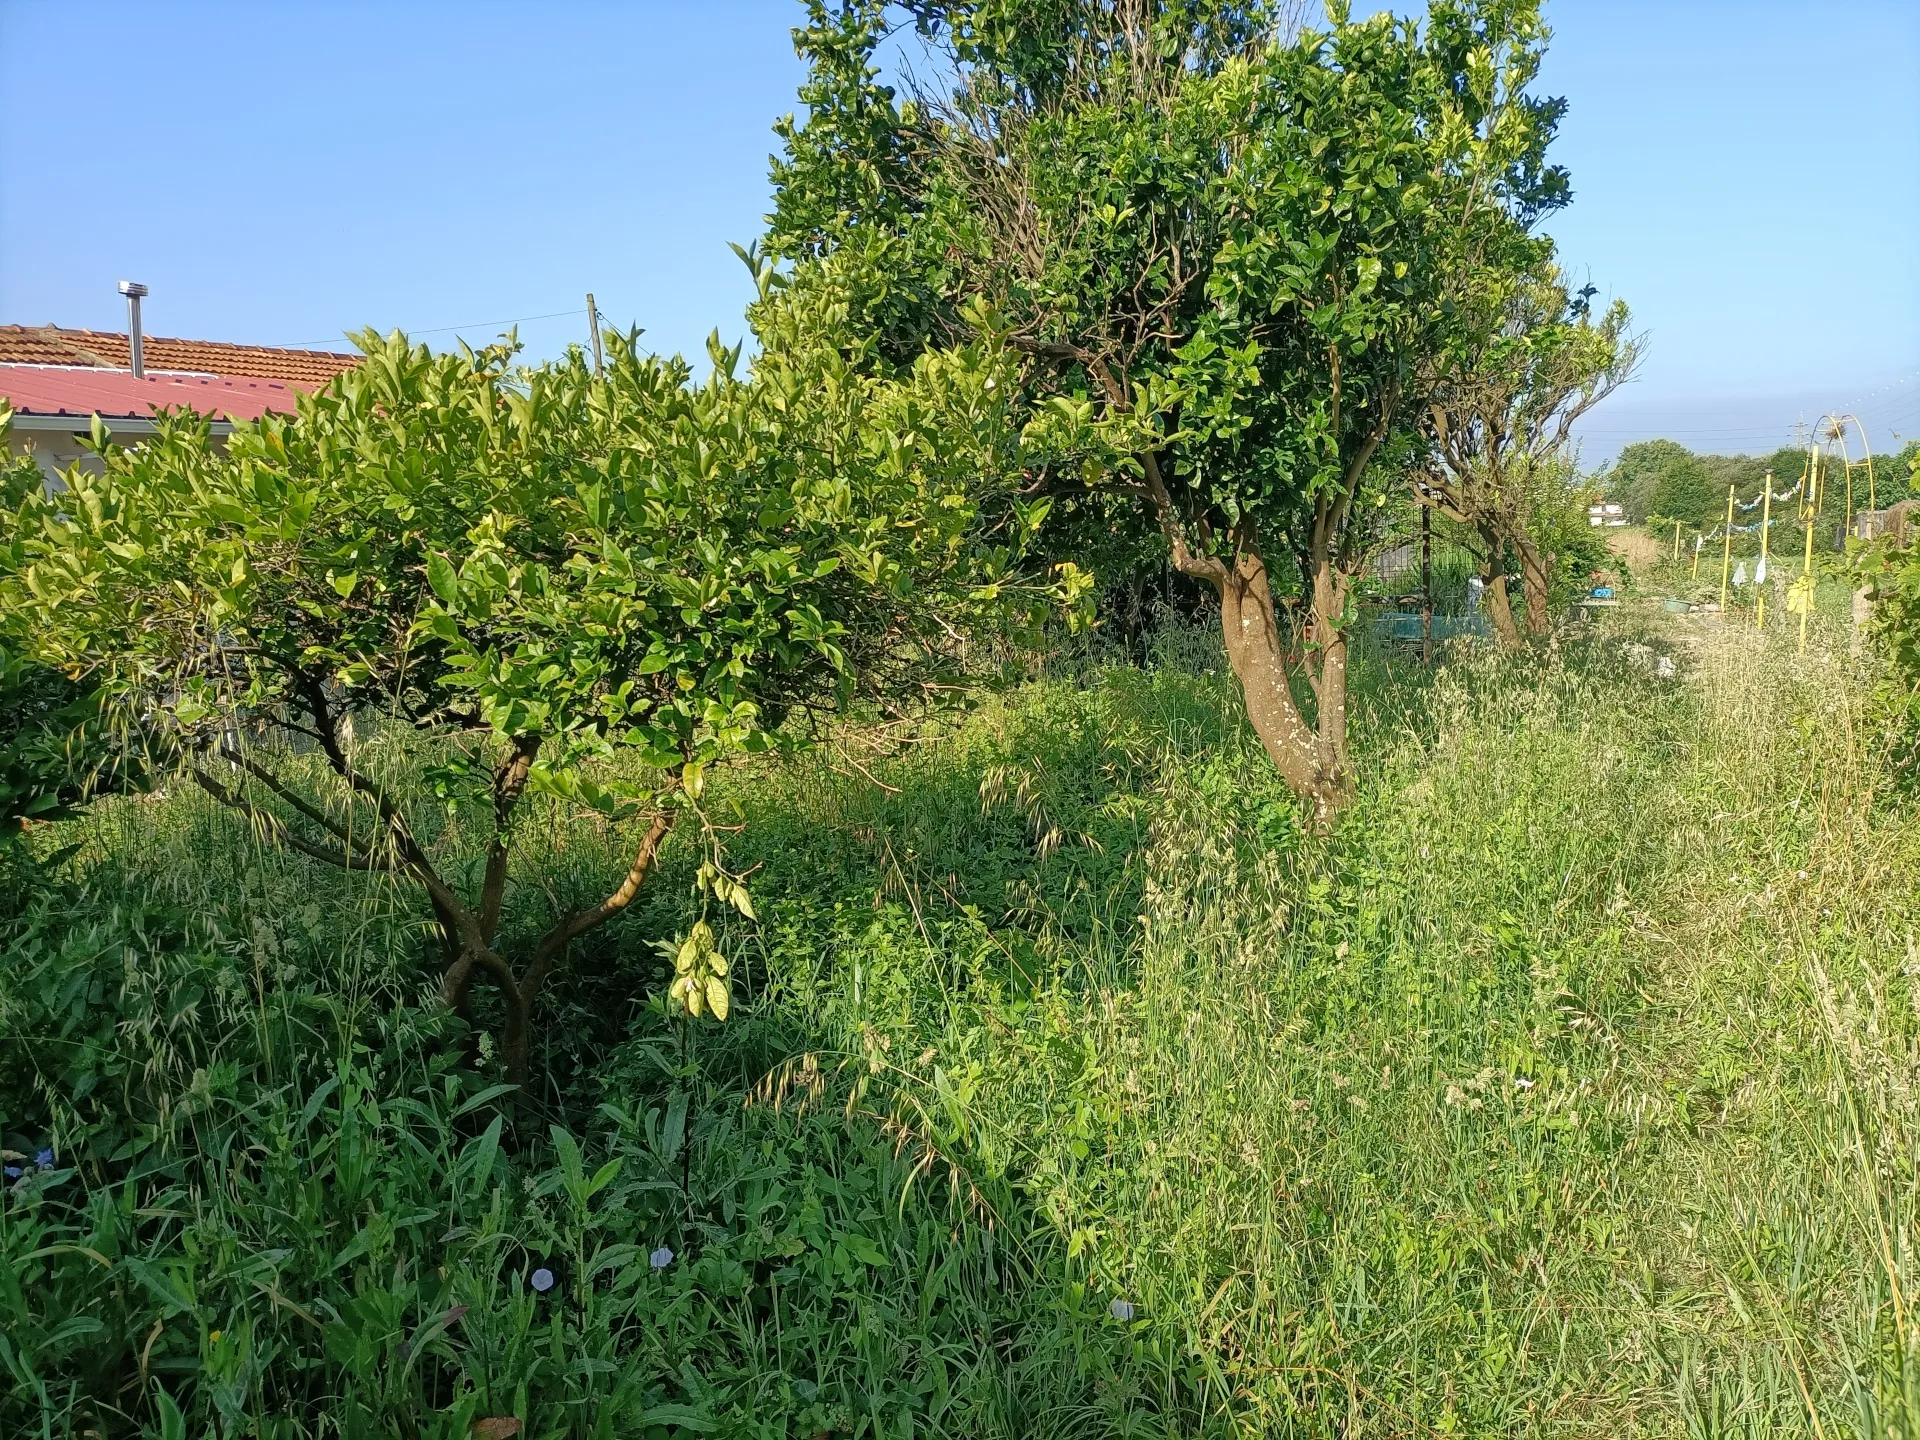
(554, 943)
(299, 802)
(508, 783)
(1200, 566)
(459, 978)
(410, 851)
(280, 833)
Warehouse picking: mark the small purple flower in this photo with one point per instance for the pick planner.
(44, 1158)
(13, 1172)
(541, 1280)
(660, 1258)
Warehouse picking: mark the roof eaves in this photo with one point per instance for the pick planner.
(68, 423)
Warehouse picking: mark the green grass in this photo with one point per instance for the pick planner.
(1568, 1087)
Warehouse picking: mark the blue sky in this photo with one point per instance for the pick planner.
(281, 173)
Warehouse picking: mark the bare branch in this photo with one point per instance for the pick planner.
(278, 831)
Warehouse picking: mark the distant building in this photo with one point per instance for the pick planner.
(57, 380)
(1605, 515)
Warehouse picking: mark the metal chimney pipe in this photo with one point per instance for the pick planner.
(136, 346)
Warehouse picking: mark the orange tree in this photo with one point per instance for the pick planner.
(51, 745)
(1500, 405)
(587, 589)
(1229, 249)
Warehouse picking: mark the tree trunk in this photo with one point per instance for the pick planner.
(1310, 761)
(1330, 639)
(1498, 604)
(1533, 580)
(516, 1040)
(1500, 611)
(518, 992)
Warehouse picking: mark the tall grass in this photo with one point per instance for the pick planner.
(1566, 1088)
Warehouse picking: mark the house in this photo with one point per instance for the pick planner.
(57, 380)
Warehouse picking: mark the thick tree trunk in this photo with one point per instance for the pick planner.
(1500, 612)
(1499, 605)
(1310, 759)
(1533, 581)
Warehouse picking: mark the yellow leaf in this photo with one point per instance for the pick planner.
(742, 902)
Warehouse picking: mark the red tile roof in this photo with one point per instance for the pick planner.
(116, 394)
(102, 349)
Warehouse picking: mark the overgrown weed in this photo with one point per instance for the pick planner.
(1565, 1088)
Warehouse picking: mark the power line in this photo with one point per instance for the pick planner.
(1659, 431)
(1900, 384)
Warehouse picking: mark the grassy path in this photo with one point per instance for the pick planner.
(1531, 1102)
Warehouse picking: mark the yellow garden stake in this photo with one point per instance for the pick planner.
(1760, 574)
(1676, 542)
(1810, 487)
(1837, 430)
(1847, 460)
(1837, 424)
(1726, 552)
(1800, 594)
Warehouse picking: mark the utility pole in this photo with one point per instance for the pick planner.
(593, 328)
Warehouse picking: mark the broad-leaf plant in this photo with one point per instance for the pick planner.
(1500, 403)
(1229, 245)
(591, 589)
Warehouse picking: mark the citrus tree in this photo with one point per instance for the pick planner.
(1229, 248)
(587, 589)
(52, 746)
(1500, 403)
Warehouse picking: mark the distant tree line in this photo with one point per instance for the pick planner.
(1665, 479)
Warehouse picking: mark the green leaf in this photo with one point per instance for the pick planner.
(480, 1153)
(685, 1416)
(173, 1425)
(604, 1176)
(441, 577)
(483, 1097)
